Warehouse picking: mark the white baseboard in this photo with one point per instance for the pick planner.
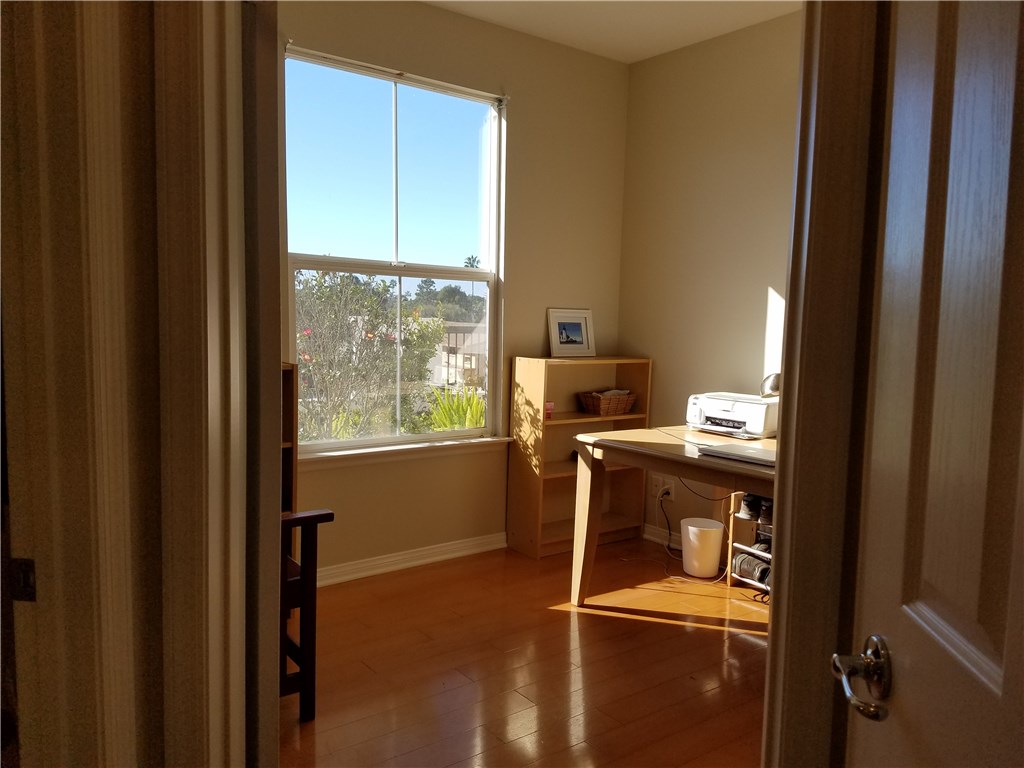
(335, 574)
(660, 536)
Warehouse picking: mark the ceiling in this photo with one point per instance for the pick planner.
(622, 30)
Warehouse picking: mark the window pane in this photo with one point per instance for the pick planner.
(443, 178)
(346, 339)
(461, 305)
(354, 385)
(340, 162)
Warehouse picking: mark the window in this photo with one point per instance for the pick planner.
(393, 211)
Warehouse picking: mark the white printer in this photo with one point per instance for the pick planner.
(735, 414)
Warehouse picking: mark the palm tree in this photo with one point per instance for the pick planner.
(473, 263)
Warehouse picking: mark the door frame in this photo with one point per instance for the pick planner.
(201, 261)
(827, 339)
(89, 654)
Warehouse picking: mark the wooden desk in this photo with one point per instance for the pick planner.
(662, 450)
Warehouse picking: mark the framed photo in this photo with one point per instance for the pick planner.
(571, 332)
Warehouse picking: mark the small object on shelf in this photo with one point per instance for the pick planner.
(609, 402)
(750, 567)
(549, 409)
(771, 385)
(750, 508)
(571, 332)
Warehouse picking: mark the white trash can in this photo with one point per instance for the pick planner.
(702, 546)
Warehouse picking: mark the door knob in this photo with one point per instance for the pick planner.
(874, 666)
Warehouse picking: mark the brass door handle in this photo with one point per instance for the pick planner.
(875, 667)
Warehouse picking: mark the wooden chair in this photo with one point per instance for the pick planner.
(298, 591)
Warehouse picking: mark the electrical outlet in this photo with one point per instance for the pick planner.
(655, 483)
(659, 484)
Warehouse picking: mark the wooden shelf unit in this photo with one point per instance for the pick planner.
(289, 436)
(736, 547)
(542, 469)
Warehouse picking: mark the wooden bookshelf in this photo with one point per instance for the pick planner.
(542, 464)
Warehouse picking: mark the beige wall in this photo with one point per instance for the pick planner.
(707, 213)
(400, 505)
(564, 183)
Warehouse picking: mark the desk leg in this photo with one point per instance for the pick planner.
(590, 501)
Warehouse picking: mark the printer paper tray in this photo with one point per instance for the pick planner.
(728, 431)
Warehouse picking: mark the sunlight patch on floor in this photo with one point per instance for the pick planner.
(683, 603)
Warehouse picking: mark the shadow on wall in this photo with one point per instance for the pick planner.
(526, 428)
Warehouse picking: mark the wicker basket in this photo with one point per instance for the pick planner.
(607, 405)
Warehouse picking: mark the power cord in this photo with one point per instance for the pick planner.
(668, 526)
(701, 495)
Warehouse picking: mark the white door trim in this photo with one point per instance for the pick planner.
(262, 64)
(830, 287)
(78, 268)
(202, 376)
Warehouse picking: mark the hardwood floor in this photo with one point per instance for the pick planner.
(481, 661)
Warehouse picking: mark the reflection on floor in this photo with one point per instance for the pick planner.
(481, 661)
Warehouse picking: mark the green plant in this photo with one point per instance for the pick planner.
(464, 409)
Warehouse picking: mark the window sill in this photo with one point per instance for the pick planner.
(404, 452)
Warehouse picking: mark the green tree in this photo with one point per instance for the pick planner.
(426, 291)
(472, 262)
(347, 341)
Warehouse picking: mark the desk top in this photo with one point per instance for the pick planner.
(677, 446)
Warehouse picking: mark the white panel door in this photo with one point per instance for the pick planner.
(942, 537)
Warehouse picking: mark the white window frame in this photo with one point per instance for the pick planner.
(396, 269)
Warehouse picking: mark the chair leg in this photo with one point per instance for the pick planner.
(307, 626)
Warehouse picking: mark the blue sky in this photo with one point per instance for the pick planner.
(339, 168)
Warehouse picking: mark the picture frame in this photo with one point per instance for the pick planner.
(571, 332)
